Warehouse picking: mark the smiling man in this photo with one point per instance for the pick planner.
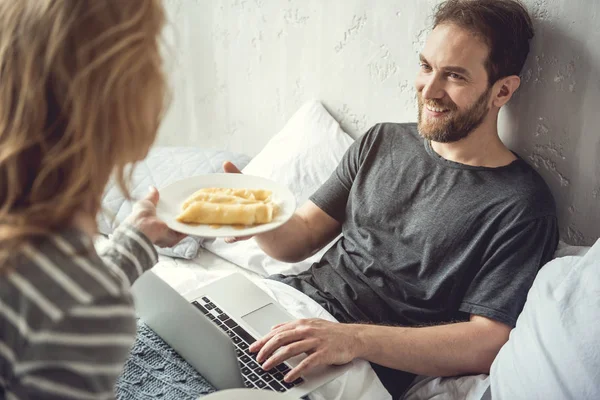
(444, 228)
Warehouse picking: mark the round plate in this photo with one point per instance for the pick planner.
(173, 196)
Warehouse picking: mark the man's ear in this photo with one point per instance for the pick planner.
(504, 90)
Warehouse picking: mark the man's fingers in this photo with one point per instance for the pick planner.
(286, 352)
(231, 240)
(278, 340)
(230, 168)
(256, 346)
(301, 369)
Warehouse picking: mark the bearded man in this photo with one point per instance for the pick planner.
(444, 228)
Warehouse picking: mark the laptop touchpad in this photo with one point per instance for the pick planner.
(263, 319)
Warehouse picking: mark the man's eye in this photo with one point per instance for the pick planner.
(455, 76)
(424, 66)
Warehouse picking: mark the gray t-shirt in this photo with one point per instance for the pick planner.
(427, 240)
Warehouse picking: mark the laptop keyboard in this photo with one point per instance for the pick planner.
(254, 376)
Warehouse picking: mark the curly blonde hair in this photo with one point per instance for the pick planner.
(82, 93)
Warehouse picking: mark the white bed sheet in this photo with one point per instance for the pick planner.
(360, 382)
(469, 387)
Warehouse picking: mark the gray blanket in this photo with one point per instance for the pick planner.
(155, 371)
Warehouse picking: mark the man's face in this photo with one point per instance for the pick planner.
(453, 91)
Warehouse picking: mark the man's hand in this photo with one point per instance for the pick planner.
(230, 168)
(308, 231)
(143, 217)
(326, 343)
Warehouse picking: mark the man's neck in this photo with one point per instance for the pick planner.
(482, 148)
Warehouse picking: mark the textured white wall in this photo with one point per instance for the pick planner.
(240, 68)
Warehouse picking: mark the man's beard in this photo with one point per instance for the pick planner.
(456, 125)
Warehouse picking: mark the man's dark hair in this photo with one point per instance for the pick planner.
(504, 25)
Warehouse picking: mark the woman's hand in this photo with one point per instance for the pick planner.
(143, 217)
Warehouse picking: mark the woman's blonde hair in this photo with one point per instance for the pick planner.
(82, 92)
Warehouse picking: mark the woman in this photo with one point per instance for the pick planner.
(81, 96)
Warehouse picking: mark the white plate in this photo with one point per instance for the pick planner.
(173, 196)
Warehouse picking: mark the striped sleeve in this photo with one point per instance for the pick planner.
(129, 253)
(81, 356)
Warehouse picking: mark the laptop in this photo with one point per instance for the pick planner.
(213, 326)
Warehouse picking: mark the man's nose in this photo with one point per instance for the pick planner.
(433, 88)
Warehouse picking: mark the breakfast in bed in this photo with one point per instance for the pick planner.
(228, 206)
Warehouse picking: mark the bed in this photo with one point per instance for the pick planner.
(186, 275)
(301, 156)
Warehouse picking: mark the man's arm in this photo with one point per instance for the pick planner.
(443, 350)
(308, 231)
(319, 220)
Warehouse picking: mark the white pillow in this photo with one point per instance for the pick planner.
(552, 351)
(301, 156)
(564, 250)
